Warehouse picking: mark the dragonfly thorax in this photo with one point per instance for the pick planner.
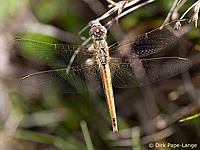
(102, 53)
(98, 32)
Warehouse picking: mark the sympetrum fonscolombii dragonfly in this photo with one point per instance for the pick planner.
(117, 65)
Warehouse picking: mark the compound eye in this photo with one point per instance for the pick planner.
(98, 30)
(92, 31)
(103, 29)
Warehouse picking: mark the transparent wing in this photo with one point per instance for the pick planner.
(151, 42)
(77, 80)
(49, 54)
(127, 73)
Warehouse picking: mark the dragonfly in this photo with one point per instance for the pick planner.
(121, 65)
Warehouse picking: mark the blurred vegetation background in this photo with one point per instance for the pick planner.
(51, 120)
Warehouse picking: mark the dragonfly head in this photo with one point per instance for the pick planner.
(98, 32)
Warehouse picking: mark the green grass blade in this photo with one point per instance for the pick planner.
(189, 118)
(86, 135)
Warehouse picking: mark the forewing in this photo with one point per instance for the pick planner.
(77, 80)
(57, 55)
(127, 73)
(151, 42)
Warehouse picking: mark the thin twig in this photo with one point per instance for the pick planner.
(111, 2)
(118, 6)
(179, 5)
(188, 10)
(133, 8)
(169, 14)
(75, 53)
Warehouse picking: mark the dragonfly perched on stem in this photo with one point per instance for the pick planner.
(117, 65)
